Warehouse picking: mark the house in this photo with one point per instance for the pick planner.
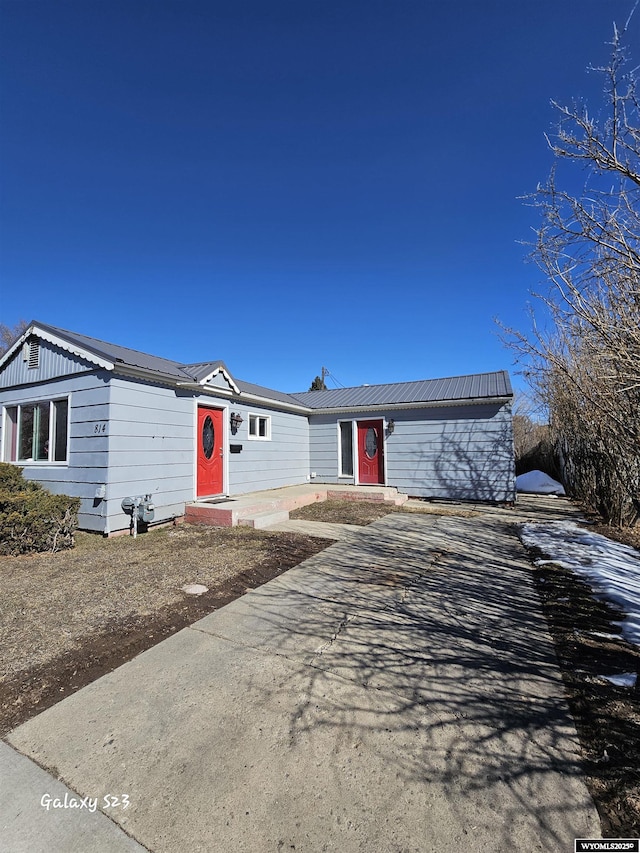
(104, 422)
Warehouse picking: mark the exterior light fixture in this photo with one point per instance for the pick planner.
(236, 419)
(391, 425)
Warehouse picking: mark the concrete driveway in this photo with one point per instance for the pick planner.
(396, 692)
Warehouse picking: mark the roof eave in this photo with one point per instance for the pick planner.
(431, 404)
(59, 341)
(205, 389)
(131, 370)
(275, 404)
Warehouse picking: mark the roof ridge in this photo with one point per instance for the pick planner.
(71, 334)
(406, 382)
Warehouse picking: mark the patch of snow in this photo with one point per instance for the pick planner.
(601, 635)
(538, 483)
(624, 679)
(612, 569)
(556, 562)
(195, 589)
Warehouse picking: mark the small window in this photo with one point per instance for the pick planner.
(260, 427)
(346, 449)
(36, 432)
(371, 443)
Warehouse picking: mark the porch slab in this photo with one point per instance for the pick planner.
(244, 508)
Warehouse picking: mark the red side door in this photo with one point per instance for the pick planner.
(370, 452)
(210, 452)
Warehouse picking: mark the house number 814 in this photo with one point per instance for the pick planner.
(99, 428)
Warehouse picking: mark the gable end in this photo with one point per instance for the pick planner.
(36, 360)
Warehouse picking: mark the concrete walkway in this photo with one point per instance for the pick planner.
(396, 692)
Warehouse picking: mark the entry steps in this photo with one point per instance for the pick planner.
(265, 509)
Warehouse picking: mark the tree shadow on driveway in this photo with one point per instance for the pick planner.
(437, 622)
(396, 692)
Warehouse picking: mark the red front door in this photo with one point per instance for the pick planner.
(370, 452)
(210, 452)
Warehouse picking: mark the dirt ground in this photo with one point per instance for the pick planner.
(68, 618)
(607, 717)
(365, 512)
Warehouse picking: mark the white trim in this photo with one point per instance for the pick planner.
(3, 434)
(37, 331)
(259, 417)
(211, 390)
(396, 407)
(269, 402)
(341, 475)
(226, 429)
(194, 432)
(20, 342)
(147, 374)
(385, 438)
(39, 463)
(224, 373)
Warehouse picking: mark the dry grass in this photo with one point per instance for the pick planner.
(365, 512)
(67, 618)
(52, 601)
(586, 634)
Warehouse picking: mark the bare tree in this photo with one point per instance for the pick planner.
(531, 439)
(585, 364)
(8, 334)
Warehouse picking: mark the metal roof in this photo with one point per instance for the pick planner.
(200, 371)
(456, 388)
(119, 354)
(267, 393)
(471, 387)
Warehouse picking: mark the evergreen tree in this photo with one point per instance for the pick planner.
(318, 384)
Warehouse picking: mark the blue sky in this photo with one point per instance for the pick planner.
(285, 185)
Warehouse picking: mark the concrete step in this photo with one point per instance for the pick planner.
(264, 519)
(229, 513)
(385, 494)
(202, 513)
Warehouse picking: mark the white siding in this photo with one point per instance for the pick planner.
(151, 449)
(135, 438)
(283, 460)
(461, 452)
(88, 450)
(54, 362)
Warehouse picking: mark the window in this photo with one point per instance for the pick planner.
(36, 432)
(346, 448)
(260, 427)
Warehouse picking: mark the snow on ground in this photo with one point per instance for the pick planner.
(538, 483)
(612, 569)
(625, 679)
